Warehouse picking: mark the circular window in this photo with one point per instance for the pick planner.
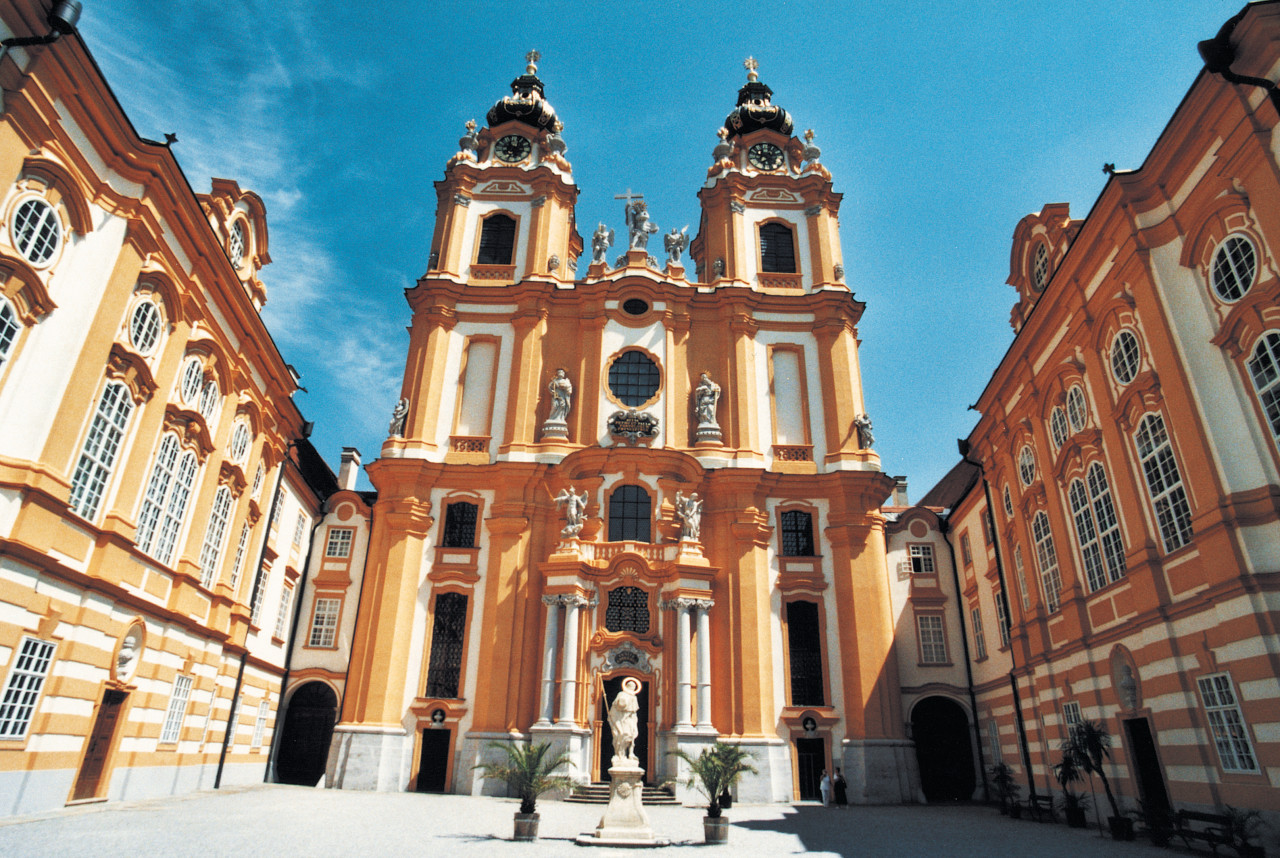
(635, 307)
(209, 398)
(1126, 355)
(36, 231)
(144, 327)
(235, 247)
(1040, 268)
(1058, 426)
(240, 442)
(633, 378)
(1027, 465)
(192, 381)
(1235, 265)
(1077, 408)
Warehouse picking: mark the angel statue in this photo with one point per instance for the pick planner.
(638, 222)
(575, 507)
(675, 243)
(601, 241)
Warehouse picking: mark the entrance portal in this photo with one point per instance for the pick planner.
(1146, 764)
(611, 689)
(943, 750)
(433, 764)
(101, 741)
(304, 742)
(811, 759)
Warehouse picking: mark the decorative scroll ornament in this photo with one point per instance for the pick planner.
(627, 655)
(633, 425)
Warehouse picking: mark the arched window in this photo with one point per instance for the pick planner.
(777, 248)
(630, 514)
(1264, 370)
(8, 329)
(1058, 427)
(1040, 267)
(101, 447)
(211, 551)
(497, 240)
(241, 438)
(236, 244)
(1047, 557)
(1027, 465)
(1097, 529)
(192, 381)
(1164, 482)
(797, 533)
(164, 507)
(1077, 408)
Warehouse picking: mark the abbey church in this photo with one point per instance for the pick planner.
(622, 454)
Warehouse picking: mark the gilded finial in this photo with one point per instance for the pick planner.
(471, 125)
(722, 133)
(751, 65)
(808, 135)
(532, 58)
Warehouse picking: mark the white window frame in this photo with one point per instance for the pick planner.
(145, 324)
(1058, 431)
(979, 638)
(1047, 561)
(324, 622)
(164, 506)
(922, 561)
(1040, 267)
(1024, 595)
(339, 542)
(260, 724)
(1008, 501)
(299, 529)
(210, 399)
(214, 536)
(241, 440)
(102, 445)
(177, 710)
(1234, 269)
(1097, 528)
(282, 612)
(1227, 727)
(1125, 356)
(931, 631)
(1264, 372)
(1027, 465)
(10, 327)
(237, 565)
(191, 382)
(1077, 408)
(1163, 480)
(259, 596)
(993, 739)
(32, 663)
(1002, 618)
(38, 237)
(256, 491)
(1071, 716)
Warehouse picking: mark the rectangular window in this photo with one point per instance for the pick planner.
(260, 725)
(922, 560)
(460, 525)
(1002, 618)
(966, 551)
(993, 739)
(986, 527)
(1070, 717)
(282, 612)
(237, 565)
(804, 641)
(979, 639)
(788, 388)
(22, 690)
(933, 639)
(448, 643)
(1047, 558)
(476, 393)
(777, 248)
(324, 623)
(339, 542)
(101, 446)
(177, 710)
(211, 552)
(1023, 593)
(277, 509)
(797, 533)
(259, 594)
(299, 530)
(1164, 482)
(1226, 722)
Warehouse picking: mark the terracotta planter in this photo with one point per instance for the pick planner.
(1121, 827)
(715, 830)
(526, 826)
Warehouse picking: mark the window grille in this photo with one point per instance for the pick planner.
(993, 740)
(1040, 268)
(777, 249)
(1027, 465)
(1002, 617)
(210, 396)
(447, 645)
(1071, 715)
(106, 433)
(497, 240)
(805, 649)
(627, 610)
(460, 525)
(282, 612)
(1023, 593)
(966, 550)
(634, 378)
(235, 247)
(192, 381)
(241, 438)
(237, 565)
(260, 725)
(22, 690)
(630, 514)
(259, 594)
(1097, 529)
(1008, 503)
(797, 533)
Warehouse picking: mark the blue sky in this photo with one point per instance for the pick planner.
(943, 123)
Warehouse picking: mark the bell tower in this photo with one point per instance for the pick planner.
(769, 215)
(505, 206)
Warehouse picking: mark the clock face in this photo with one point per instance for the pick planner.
(512, 148)
(765, 156)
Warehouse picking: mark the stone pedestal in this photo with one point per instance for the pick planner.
(555, 430)
(624, 822)
(708, 435)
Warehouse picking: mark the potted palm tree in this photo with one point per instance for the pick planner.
(1243, 826)
(713, 773)
(1007, 789)
(528, 772)
(1090, 743)
(1066, 772)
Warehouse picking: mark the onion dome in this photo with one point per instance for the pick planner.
(526, 103)
(755, 110)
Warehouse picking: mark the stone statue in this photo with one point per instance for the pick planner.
(637, 213)
(675, 243)
(561, 397)
(689, 509)
(127, 656)
(575, 508)
(601, 241)
(863, 424)
(623, 723)
(398, 415)
(706, 396)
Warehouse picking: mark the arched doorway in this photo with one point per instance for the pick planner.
(308, 726)
(943, 749)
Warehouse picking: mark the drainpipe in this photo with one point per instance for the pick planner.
(968, 664)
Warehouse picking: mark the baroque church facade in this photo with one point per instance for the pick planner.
(652, 471)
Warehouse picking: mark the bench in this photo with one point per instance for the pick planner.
(1040, 806)
(1213, 828)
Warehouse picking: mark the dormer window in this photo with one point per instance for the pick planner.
(497, 240)
(777, 249)
(1040, 268)
(235, 247)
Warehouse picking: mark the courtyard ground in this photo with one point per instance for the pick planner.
(272, 820)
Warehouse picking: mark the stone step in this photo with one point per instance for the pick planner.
(598, 793)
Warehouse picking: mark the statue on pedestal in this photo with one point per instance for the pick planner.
(689, 509)
(623, 723)
(575, 511)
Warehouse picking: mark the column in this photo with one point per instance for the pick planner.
(569, 660)
(704, 663)
(549, 644)
(684, 682)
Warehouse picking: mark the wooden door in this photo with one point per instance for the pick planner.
(101, 743)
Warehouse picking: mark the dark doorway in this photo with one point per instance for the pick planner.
(1146, 765)
(811, 759)
(304, 742)
(611, 689)
(101, 741)
(433, 765)
(943, 750)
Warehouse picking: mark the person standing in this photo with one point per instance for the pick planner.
(841, 789)
(824, 786)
